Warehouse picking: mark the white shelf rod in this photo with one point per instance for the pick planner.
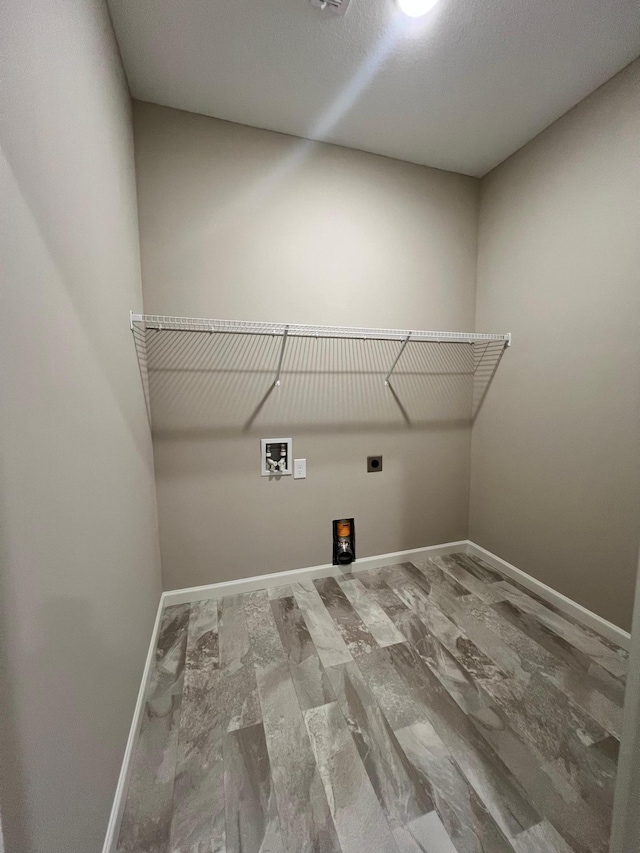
(247, 327)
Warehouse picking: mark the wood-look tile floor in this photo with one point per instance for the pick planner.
(431, 706)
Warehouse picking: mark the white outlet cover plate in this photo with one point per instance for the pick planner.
(264, 470)
(299, 469)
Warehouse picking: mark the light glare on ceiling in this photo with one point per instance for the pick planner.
(416, 8)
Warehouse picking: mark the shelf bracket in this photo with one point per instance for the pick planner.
(397, 359)
(285, 335)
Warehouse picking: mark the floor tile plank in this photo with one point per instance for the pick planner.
(520, 655)
(572, 673)
(146, 819)
(305, 818)
(252, 822)
(426, 834)
(408, 693)
(198, 796)
(614, 662)
(400, 790)
(309, 677)
(436, 583)
(483, 571)
(330, 646)
(354, 632)
(375, 583)
(373, 616)
(446, 667)
(468, 824)
(584, 830)
(615, 647)
(466, 577)
(465, 651)
(280, 591)
(202, 638)
(356, 812)
(541, 715)
(240, 698)
(541, 838)
(458, 682)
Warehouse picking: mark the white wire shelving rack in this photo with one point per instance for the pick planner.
(157, 322)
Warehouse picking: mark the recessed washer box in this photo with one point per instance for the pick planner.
(276, 457)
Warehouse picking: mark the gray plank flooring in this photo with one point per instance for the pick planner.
(428, 707)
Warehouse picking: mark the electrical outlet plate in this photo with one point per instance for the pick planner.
(280, 450)
(299, 469)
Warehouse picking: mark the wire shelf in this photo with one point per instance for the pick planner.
(248, 327)
(156, 353)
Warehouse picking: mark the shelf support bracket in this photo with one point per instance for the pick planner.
(397, 359)
(285, 335)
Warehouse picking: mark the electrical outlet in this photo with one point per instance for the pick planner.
(374, 463)
(299, 469)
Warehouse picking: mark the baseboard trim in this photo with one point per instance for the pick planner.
(567, 605)
(215, 590)
(123, 780)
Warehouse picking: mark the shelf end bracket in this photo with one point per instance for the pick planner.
(134, 318)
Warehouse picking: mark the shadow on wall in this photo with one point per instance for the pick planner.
(12, 783)
(207, 385)
(65, 740)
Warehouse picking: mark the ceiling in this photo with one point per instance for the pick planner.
(460, 89)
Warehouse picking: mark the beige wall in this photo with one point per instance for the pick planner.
(240, 223)
(556, 448)
(80, 579)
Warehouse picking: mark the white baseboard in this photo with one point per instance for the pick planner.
(123, 779)
(215, 590)
(572, 608)
(567, 605)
